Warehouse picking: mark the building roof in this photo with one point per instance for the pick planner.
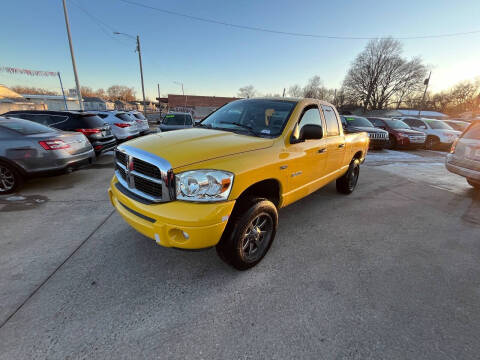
(194, 100)
(6, 93)
(48, 97)
(93, 99)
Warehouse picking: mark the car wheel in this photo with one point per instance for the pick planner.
(250, 235)
(392, 142)
(347, 183)
(10, 179)
(431, 142)
(475, 184)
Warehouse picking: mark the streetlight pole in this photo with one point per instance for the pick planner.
(141, 67)
(77, 82)
(426, 82)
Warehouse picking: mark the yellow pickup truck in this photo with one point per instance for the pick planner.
(222, 182)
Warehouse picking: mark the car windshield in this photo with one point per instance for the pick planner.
(438, 125)
(357, 121)
(139, 116)
(25, 127)
(396, 124)
(177, 119)
(123, 116)
(258, 117)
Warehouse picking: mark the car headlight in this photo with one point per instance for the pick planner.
(203, 185)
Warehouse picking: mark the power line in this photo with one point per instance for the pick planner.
(261, 29)
(106, 29)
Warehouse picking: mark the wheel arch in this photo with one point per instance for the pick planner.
(14, 165)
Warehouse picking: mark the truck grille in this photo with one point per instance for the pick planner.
(144, 178)
(378, 136)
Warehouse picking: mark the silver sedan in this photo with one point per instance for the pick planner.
(29, 149)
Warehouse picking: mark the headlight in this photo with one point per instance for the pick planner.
(203, 185)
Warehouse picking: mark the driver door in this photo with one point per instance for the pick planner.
(307, 158)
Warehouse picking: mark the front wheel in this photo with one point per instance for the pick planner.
(392, 143)
(431, 142)
(251, 235)
(347, 183)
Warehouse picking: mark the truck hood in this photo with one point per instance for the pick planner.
(188, 146)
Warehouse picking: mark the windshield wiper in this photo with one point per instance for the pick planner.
(249, 128)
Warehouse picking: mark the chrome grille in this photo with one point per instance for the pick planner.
(375, 136)
(144, 174)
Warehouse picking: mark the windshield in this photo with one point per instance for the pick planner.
(255, 116)
(356, 121)
(25, 127)
(139, 116)
(124, 117)
(437, 124)
(177, 119)
(396, 124)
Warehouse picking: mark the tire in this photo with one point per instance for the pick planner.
(431, 142)
(347, 183)
(475, 184)
(247, 239)
(10, 179)
(392, 143)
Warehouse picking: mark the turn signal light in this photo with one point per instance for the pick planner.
(54, 144)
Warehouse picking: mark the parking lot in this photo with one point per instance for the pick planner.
(389, 272)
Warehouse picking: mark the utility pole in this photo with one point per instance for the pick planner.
(141, 74)
(77, 83)
(63, 92)
(426, 82)
(283, 92)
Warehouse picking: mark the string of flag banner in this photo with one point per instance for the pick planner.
(13, 70)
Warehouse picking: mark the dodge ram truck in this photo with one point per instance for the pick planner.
(221, 183)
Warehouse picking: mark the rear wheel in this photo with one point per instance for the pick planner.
(250, 235)
(347, 183)
(475, 184)
(10, 179)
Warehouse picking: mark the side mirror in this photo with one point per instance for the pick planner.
(310, 131)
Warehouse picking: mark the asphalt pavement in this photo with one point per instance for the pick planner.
(389, 272)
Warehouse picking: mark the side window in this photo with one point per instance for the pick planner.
(409, 122)
(331, 121)
(311, 117)
(56, 119)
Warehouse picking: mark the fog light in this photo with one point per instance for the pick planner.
(185, 235)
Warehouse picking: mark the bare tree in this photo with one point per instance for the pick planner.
(295, 91)
(247, 91)
(32, 90)
(379, 74)
(120, 92)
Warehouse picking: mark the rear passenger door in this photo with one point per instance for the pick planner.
(335, 141)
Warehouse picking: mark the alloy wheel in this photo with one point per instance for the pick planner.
(7, 179)
(353, 178)
(257, 236)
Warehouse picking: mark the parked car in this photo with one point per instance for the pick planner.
(92, 126)
(142, 122)
(354, 124)
(399, 134)
(123, 126)
(464, 157)
(176, 121)
(439, 134)
(29, 149)
(221, 184)
(458, 125)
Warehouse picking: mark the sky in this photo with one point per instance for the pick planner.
(212, 59)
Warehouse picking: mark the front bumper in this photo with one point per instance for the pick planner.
(460, 170)
(167, 223)
(378, 143)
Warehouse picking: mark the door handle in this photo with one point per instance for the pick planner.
(341, 146)
(322, 150)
